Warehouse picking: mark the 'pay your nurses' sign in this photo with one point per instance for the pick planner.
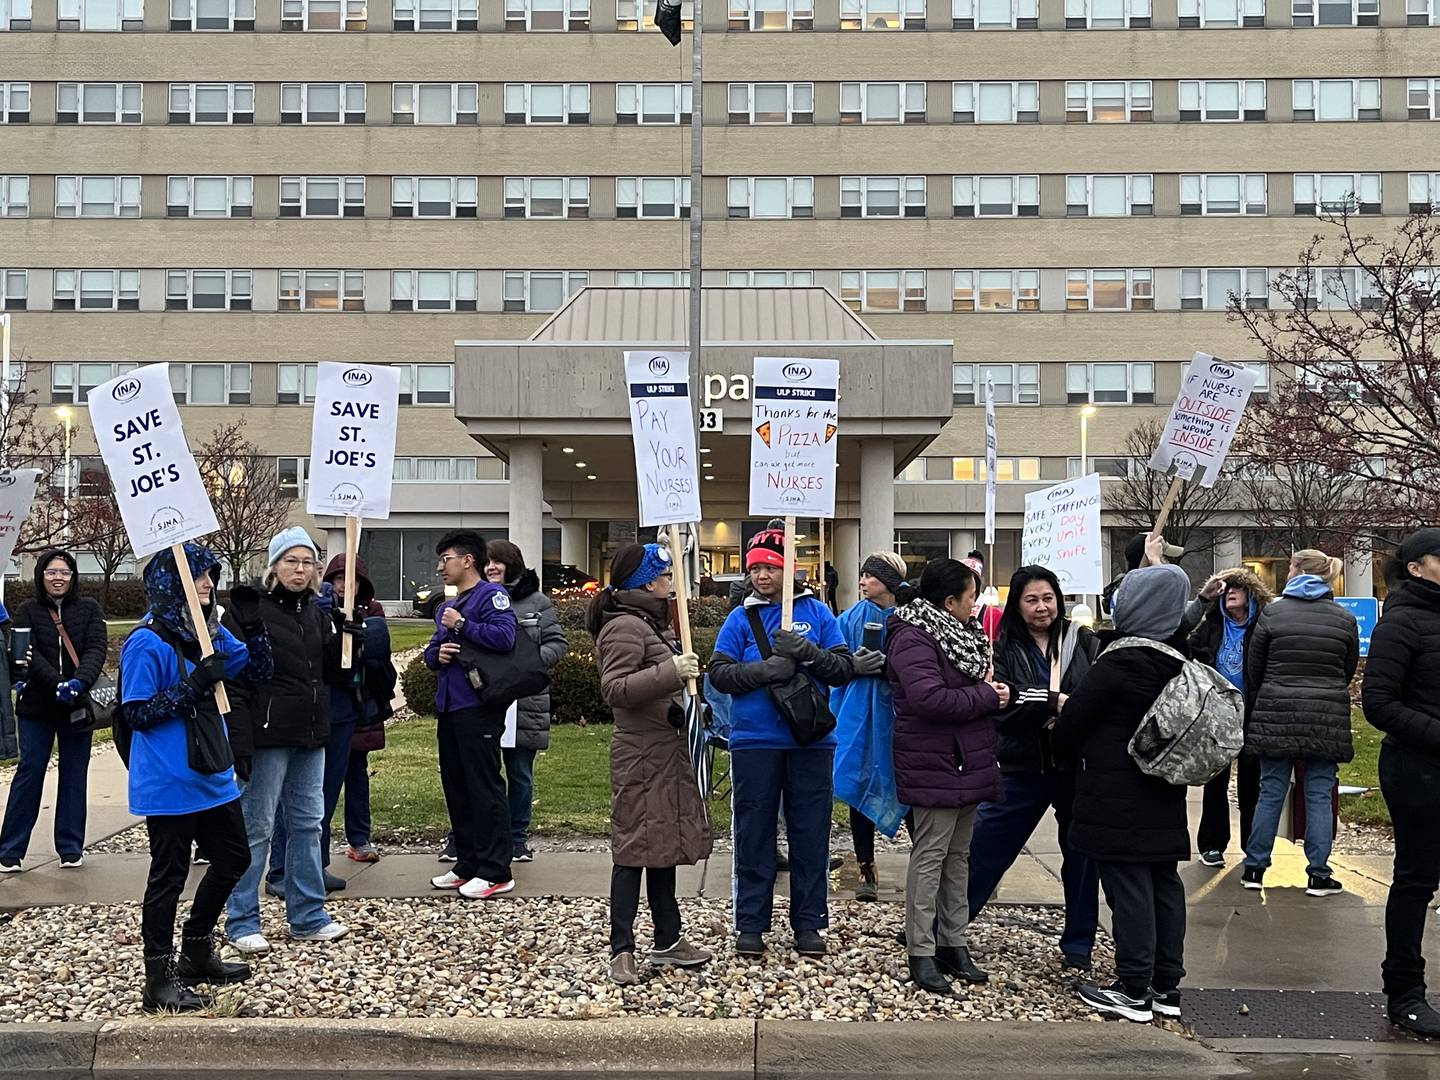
(793, 437)
(352, 440)
(1206, 415)
(666, 467)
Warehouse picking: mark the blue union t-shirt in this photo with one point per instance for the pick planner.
(755, 722)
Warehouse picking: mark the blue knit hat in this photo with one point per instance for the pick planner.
(292, 537)
(655, 563)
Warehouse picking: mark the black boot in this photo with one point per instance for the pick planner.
(926, 975)
(1415, 1015)
(199, 964)
(164, 992)
(868, 888)
(955, 960)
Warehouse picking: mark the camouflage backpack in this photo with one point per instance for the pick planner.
(1195, 727)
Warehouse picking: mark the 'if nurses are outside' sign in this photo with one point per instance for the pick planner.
(352, 440)
(157, 484)
(793, 436)
(1207, 413)
(1062, 533)
(666, 467)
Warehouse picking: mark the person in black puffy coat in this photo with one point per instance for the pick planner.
(1302, 656)
(1401, 697)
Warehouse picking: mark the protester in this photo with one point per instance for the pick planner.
(1303, 654)
(9, 742)
(168, 692)
(66, 654)
(282, 727)
(939, 668)
(986, 614)
(1401, 697)
(865, 719)
(505, 566)
(658, 819)
(766, 762)
(832, 588)
(1231, 603)
(1133, 825)
(479, 616)
(1035, 635)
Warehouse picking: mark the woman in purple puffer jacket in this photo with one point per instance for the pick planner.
(940, 672)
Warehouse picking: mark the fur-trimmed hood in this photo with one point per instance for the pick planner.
(1240, 575)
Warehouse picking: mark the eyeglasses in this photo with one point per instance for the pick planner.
(299, 564)
(446, 558)
(59, 573)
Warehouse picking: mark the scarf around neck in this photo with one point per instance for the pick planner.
(964, 644)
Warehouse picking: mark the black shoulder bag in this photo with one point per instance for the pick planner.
(207, 739)
(503, 678)
(802, 704)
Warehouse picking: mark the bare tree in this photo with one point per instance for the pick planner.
(250, 505)
(30, 439)
(105, 536)
(1135, 500)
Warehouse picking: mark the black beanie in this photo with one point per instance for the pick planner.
(882, 572)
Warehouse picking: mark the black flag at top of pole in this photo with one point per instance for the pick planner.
(667, 18)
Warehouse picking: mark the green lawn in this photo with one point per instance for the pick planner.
(409, 633)
(1364, 771)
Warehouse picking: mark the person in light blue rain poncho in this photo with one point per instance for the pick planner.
(865, 719)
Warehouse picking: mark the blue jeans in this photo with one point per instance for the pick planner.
(357, 799)
(291, 779)
(23, 808)
(1320, 779)
(337, 764)
(519, 791)
(1001, 830)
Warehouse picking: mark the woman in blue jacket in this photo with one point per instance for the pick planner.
(766, 762)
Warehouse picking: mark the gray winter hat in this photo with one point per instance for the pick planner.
(1151, 601)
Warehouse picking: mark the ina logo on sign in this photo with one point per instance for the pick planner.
(795, 372)
(659, 366)
(1062, 493)
(1222, 370)
(6, 479)
(126, 390)
(356, 377)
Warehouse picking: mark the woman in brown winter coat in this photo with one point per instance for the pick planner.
(657, 817)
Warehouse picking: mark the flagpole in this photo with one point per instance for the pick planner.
(697, 223)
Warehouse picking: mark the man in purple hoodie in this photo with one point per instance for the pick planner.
(469, 732)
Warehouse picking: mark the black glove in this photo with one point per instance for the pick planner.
(869, 662)
(245, 606)
(800, 649)
(209, 671)
(355, 629)
(778, 669)
(243, 766)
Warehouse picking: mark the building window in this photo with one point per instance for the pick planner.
(97, 290)
(1109, 468)
(1110, 384)
(1109, 290)
(70, 384)
(97, 196)
(1223, 193)
(1262, 379)
(995, 196)
(996, 290)
(15, 103)
(774, 15)
(94, 103)
(209, 290)
(434, 468)
(15, 14)
(322, 103)
(541, 15)
(426, 384)
(210, 384)
(652, 196)
(882, 196)
(772, 103)
(291, 470)
(882, 103)
(322, 290)
(652, 103)
(14, 290)
(1222, 99)
(1424, 192)
(295, 383)
(996, 14)
(547, 103)
(912, 473)
(435, 103)
(1337, 193)
(433, 290)
(212, 103)
(972, 469)
(322, 196)
(547, 196)
(1336, 99)
(1424, 99)
(771, 196)
(212, 15)
(433, 196)
(883, 290)
(542, 290)
(209, 196)
(640, 15)
(652, 279)
(1122, 195)
(1205, 288)
(1015, 384)
(770, 279)
(1107, 14)
(1109, 102)
(323, 15)
(449, 15)
(101, 14)
(1335, 12)
(1221, 13)
(994, 102)
(1338, 288)
(1421, 13)
(882, 14)
(14, 196)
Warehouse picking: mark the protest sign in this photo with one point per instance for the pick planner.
(1366, 610)
(793, 437)
(352, 440)
(663, 426)
(17, 492)
(992, 447)
(1062, 533)
(1204, 420)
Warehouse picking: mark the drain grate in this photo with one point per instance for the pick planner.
(1287, 1014)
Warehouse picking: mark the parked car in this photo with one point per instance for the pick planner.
(554, 576)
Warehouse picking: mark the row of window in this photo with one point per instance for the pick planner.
(230, 384)
(742, 15)
(991, 102)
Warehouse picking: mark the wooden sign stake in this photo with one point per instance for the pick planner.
(352, 544)
(787, 597)
(1170, 496)
(197, 617)
(682, 595)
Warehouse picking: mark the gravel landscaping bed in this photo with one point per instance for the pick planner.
(546, 957)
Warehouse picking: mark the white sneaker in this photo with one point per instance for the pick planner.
(251, 944)
(331, 931)
(7, 867)
(480, 889)
(72, 864)
(448, 880)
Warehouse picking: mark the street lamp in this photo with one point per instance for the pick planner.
(63, 412)
(1085, 414)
